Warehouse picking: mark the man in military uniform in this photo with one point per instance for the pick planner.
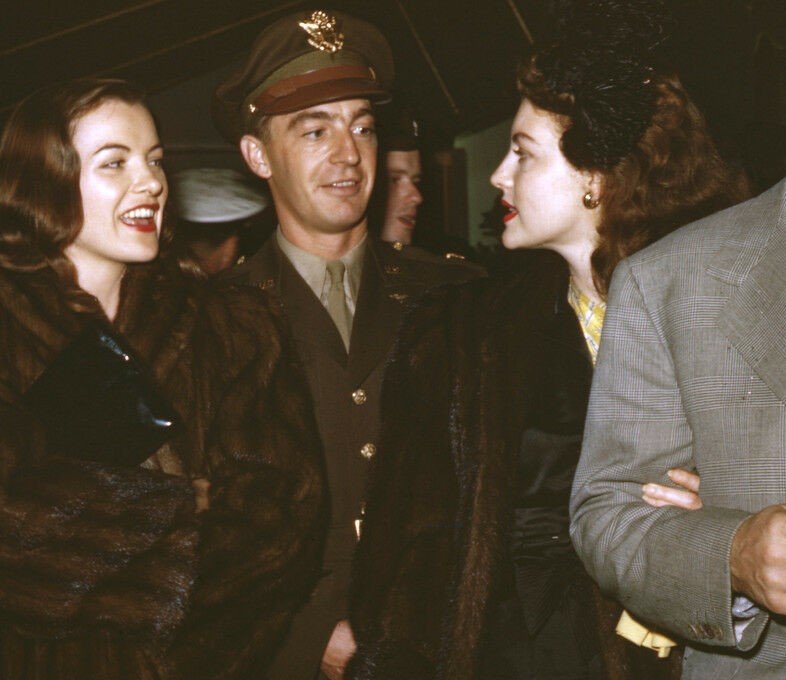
(301, 110)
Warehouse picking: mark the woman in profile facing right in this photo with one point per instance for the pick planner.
(465, 568)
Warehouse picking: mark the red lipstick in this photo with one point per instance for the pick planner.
(141, 217)
(512, 212)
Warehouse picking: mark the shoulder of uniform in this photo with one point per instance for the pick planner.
(417, 265)
(253, 269)
(406, 252)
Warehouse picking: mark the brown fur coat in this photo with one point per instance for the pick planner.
(470, 375)
(108, 572)
(483, 413)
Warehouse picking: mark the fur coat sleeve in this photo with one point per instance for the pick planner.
(107, 571)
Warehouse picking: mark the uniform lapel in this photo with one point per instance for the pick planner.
(310, 322)
(377, 317)
(754, 318)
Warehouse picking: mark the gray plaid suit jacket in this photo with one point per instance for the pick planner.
(691, 373)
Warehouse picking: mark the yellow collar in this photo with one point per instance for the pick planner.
(590, 315)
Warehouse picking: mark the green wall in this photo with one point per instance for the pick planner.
(484, 150)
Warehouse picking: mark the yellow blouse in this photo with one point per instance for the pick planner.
(590, 315)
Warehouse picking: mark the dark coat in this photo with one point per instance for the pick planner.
(484, 405)
(346, 389)
(106, 572)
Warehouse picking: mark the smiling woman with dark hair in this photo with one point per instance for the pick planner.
(118, 557)
(465, 568)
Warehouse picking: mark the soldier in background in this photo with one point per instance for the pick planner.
(220, 216)
(401, 170)
(399, 194)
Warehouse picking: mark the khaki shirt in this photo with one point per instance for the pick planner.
(313, 269)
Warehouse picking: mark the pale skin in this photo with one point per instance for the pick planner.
(535, 167)
(339, 651)
(686, 496)
(124, 191)
(320, 164)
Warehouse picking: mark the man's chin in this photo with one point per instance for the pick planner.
(397, 231)
(405, 226)
(338, 224)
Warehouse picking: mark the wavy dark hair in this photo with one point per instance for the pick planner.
(627, 117)
(40, 200)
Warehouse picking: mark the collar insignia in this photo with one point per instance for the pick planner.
(322, 32)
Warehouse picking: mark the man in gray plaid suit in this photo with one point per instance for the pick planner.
(692, 374)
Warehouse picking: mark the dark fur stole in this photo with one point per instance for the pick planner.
(107, 572)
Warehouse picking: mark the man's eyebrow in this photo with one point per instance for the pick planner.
(365, 111)
(308, 115)
(325, 116)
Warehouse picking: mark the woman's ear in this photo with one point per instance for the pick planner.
(254, 154)
(593, 190)
(595, 185)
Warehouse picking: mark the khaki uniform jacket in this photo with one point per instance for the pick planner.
(691, 373)
(346, 390)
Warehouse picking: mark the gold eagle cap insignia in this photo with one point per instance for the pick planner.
(322, 32)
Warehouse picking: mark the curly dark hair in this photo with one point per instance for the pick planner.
(40, 200)
(626, 116)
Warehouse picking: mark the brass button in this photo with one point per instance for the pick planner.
(359, 396)
(398, 297)
(368, 451)
(398, 245)
(392, 269)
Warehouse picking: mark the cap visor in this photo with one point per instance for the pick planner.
(323, 93)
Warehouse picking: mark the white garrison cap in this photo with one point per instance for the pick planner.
(216, 195)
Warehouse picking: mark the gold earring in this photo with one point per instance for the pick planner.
(589, 202)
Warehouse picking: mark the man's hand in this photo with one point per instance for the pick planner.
(339, 651)
(686, 498)
(758, 558)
